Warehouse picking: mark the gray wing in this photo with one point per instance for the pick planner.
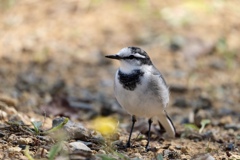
(159, 86)
(158, 73)
(164, 119)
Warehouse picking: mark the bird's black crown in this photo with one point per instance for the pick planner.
(140, 51)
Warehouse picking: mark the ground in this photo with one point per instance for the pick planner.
(52, 65)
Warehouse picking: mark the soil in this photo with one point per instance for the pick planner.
(53, 65)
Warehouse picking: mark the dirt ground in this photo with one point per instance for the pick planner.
(53, 65)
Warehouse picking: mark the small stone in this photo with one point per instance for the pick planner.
(23, 118)
(11, 110)
(115, 136)
(166, 152)
(171, 154)
(57, 121)
(101, 151)
(235, 127)
(226, 120)
(24, 141)
(3, 115)
(14, 149)
(171, 148)
(208, 135)
(229, 147)
(138, 155)
(8, 100)
(178, 147)
(185, 157)
(45, 138)
(3, 106)
(178, 88)
(2, 135)
(12, 138)
(184, 150)
(96, 137)
(202, 102)
(181, 102)
(143, 142)
(41, 151)
(200, 115)
(203, 157)
(217, 64)
(23, 146)
(79, 146)
(166, 146)
(76, 131)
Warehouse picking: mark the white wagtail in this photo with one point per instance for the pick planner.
(141, 89)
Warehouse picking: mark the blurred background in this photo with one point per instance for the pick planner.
(52, 56)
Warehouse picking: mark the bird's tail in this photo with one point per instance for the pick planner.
(167, 124)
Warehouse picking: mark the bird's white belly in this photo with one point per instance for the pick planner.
(138, 102)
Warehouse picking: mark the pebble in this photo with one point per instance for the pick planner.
(178, 147)
(229, 147)
(79, 146)
(96, 136)
(178, 88)
(138, 155)
(235, 127)
(12, 138)
(184, 150)
(171, 148)
(76, 131)
(217, 64)
(203, 157)
(2, 134)
(143, 142)
(24, 141)
(208, 135)
(3, 115)
(14, 149)
(226, 120)
(11, 111)
(22, 146)
(202, 103)
(171, 154)
(8, 100)
(180, 102)
(101, 151)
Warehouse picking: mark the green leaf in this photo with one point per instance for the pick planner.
(159, 157)
(55, 150)
(204, 122)
(105, 157)
(58, 126)
(37, 125)
(27, 154)
(191, 127)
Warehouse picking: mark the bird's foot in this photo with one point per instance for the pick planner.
(128, 145)
(147, 148)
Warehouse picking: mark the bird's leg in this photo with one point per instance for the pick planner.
(129, 139)
(149, 129)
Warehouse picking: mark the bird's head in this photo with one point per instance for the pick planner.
(131, 58)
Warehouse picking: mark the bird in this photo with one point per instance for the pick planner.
(141, 90)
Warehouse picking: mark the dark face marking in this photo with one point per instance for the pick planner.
(131, 80)
(145, 60)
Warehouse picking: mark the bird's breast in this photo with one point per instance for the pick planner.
(131, 80)
(132, 93)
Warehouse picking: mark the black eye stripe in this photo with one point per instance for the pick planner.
(132, 57)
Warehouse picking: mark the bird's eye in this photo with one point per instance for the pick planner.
(131, 57)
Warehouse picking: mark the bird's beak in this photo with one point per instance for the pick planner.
(113, 56)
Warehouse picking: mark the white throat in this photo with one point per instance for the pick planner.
(128, 68)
